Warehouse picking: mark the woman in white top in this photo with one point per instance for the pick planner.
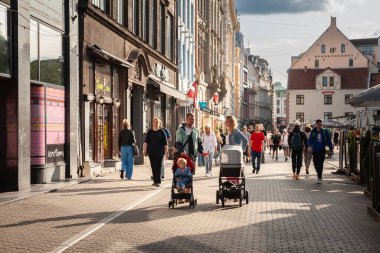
(209, 146)
(285, 144)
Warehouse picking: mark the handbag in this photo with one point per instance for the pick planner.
(136, 150)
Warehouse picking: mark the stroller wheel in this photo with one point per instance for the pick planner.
(241, 201)
(217, 196)
(171, 204)
(195, 202)
(246, 197)
(222, 199)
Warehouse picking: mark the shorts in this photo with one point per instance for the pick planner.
(285, 147)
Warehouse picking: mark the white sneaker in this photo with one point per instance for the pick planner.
(206, 174)
(211, 173)
(319, 181)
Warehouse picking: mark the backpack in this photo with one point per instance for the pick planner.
(296, 142)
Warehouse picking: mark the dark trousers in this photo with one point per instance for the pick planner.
(256, 155)
(155, 164)
(318, 159)
(296, 161)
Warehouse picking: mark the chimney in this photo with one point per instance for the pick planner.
(333, 22)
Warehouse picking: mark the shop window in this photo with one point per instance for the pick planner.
(327, 115)
(300, 116)
(46, 57)
(4, 41)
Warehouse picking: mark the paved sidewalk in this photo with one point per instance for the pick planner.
(113, 215)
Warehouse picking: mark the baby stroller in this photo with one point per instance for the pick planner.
(175, 196)
(231, 176)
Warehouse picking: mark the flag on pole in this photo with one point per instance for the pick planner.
(192, 94)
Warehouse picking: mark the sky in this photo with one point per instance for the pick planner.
(278, 29)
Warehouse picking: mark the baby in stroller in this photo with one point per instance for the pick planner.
(182, 175)
(182, 185)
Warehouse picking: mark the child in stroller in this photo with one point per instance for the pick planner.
(182, 185)
(231, 176)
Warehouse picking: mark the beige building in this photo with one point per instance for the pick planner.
(322, 79)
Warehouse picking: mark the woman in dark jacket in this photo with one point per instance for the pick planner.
(156, 147)
(126, 138)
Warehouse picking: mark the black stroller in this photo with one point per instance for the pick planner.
(231, 175)
(175, 196)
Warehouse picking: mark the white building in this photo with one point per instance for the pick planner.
(280, 106)
(322, 79)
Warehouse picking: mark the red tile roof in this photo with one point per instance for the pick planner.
(352, 78)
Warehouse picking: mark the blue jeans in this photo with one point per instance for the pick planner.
(201, 161)
(127, 160)
(208, 161)
(256, 155)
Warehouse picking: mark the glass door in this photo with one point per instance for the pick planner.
(107, 131)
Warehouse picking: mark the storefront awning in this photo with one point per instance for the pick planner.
(167, 89)
(108, 56)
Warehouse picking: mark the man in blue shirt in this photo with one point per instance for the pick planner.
(318, 140)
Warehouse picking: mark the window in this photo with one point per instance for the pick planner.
(327, 115)
(144, 20)
(123, 13)
(162, 27)
(192, 21)
(170, 37)
(153, 23)
(300, 99)
(245, 60)
(278, 110)
(342, 48)
(136, 17)
(46, 58)
(102, 4)
(331, 81)
(347, 97)
(324, 81)
(316, 64)
(300, 116)
(350, 62)
(328, 99)
(245, 80)
(278, 102)
(4, 41)
(323, 49)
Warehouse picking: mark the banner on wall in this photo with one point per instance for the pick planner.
(55, 153)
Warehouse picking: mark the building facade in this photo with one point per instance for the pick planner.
(128, 69)
(327, 75)
(39, 127)
(280, 106)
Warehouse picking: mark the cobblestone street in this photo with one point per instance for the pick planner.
(110, 215)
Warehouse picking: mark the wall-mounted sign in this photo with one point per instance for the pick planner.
(55, 153)
(203, 105)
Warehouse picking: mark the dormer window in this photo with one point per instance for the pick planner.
(324, 81)
(323, 49)
(342, 48)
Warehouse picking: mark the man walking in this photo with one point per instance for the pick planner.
(298, 145)
(187, 139)
(262, 129)
(318, 140)
(247, 148)
(257, 146)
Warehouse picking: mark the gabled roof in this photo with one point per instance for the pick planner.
(304, 79)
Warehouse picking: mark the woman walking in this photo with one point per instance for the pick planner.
(219, 142)
(285, 144)
(235, 137)
(308, 154)
(125, 141)
(209, 146)
(156, 147)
